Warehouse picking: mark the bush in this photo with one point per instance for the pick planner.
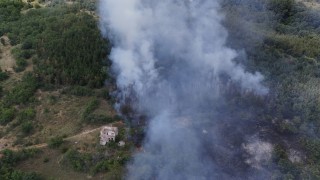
(94, 163)
(23, 91)
(101, 167)
(27, 45)
(79, 162)
(27, 127)
(19, 175)
(90, 107)
(45, 160)
(10, 10)
(26, 54)
(98, 119)
(78, 91)
(3, 76)
(10, 159)
(55, 142)
(6, 115)
(3, 42)
(26, 114)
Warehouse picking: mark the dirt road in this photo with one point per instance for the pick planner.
(43, 145)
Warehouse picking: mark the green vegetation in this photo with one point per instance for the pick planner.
(96, 162)
(89, 117)
(27, 127)
(3, 76)
(6, 115)
(21, 57)
(26, 115)
(55, 48)
(65, 47)
(23, 92)
(78, 91)
(90, 107)
(10, 160)
(55, 142)
(99, 119)
(10, 11)
(64, 43)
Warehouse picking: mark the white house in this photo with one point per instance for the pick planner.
(108, 133)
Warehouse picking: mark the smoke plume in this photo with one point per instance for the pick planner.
(172, 57)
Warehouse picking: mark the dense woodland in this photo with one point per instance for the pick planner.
(281, 39)
(64, 43)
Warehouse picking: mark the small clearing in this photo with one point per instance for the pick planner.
(7, 62)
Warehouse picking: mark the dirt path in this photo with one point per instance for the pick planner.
(7, 61)
(83, 133)
(43, 145)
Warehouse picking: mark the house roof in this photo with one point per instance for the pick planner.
(106, 129)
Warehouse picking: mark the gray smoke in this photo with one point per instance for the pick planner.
(171, 56)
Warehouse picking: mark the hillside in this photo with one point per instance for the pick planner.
(54, 67)
(59, 85)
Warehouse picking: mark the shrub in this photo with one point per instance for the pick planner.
(90, 107)
(27, 45)
(3, 76)
(26, 54)
(26, 114)
(101, 167)
(10, 159)
(55, 142)
(23, 91)
(27, 127)
(79, 162)
(45, 160)
(98, 119)
(6, 115)
(3, 42)
(78, 91)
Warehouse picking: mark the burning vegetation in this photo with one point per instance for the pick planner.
(208, 89)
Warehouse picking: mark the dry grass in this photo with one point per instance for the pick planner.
(87, 141)
(56, 115)
(59, 114)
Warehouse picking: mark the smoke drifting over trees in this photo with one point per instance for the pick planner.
(172, 57)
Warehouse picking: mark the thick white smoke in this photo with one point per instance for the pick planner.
(172, 55)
